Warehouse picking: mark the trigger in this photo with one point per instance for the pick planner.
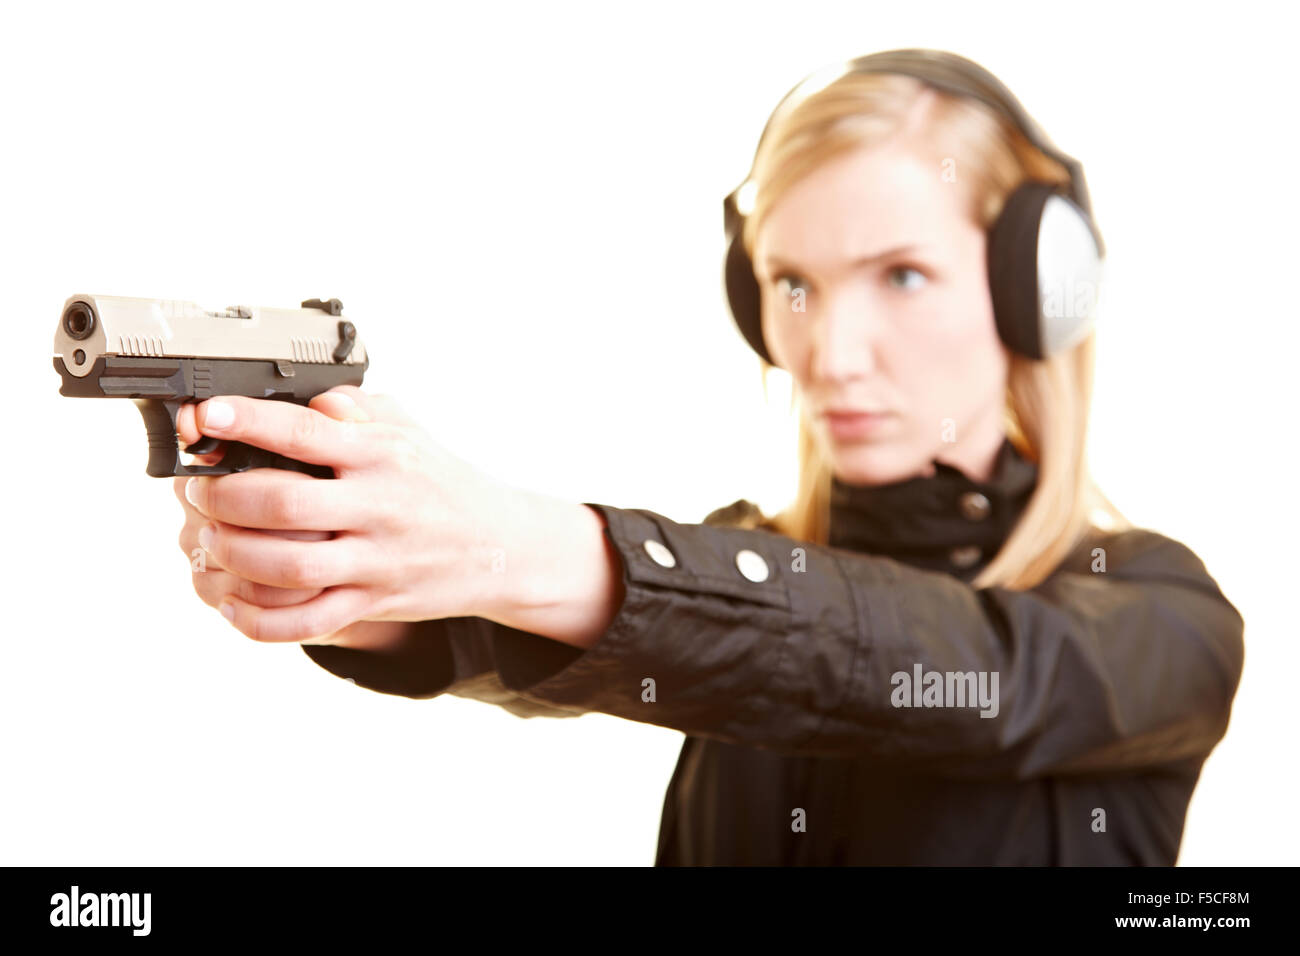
(206, 445)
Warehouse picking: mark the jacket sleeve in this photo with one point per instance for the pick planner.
(451, 656)
(1097, 670)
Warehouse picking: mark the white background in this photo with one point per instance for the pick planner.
(520, 206)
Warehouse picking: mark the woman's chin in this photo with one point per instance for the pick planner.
(876, 462)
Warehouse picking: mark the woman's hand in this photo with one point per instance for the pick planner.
(212, 583)
(405, 532)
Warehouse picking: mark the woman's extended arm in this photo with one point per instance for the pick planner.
(736, 634)
(841, 654)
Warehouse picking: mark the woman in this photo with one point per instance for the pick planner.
(934, 656)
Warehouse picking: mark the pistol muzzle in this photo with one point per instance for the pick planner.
(79, 320)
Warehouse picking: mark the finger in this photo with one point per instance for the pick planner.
(340, 405)
(178, 489)
(272, 498)
(188, 539)
(201, 561)
(183, 487)
(186, 425)
(213, 586)
(195, 519)
(287, 429)
(379, 407)
(187, 429)
(271, 559)
(187, 432)
(331, 611)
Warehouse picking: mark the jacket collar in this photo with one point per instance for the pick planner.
(944, 522)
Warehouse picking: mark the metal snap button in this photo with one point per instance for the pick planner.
(966, 556)
(659, 553)
(974, 506)
(752, 565)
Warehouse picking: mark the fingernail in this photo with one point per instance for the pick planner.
(205, 538)
(191, 492)
(344, 398)
(228, 611)
(217, 414)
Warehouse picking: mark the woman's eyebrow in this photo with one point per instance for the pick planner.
(776, 262)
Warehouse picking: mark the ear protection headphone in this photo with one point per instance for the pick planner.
(1044, 251)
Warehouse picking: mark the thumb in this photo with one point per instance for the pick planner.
(342, 406)
(380, 407)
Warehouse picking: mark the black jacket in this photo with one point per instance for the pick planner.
(1112, 685)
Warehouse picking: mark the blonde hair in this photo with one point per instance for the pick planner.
(1047, 402)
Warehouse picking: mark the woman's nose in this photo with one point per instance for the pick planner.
(845, 339)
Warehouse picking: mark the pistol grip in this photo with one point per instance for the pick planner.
(164, 448)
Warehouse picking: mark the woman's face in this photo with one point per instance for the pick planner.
(878, 249)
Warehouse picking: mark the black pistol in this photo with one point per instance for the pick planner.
(163, 353)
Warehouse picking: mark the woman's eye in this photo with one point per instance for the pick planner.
(791, 287)
(903, 270)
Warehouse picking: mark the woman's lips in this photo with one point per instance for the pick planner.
(846, 426)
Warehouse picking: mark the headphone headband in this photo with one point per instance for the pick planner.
(944, 71)
(1032, 246)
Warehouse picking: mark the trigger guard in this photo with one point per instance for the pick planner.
(206, 445)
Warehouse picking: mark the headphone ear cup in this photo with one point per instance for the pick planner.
(743, 296)
(1044, 269)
